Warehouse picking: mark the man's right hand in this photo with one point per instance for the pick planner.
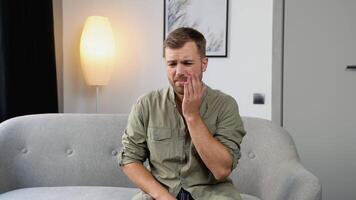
(138, 174)
(166, 196)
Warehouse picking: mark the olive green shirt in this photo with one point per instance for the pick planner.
(156, 131)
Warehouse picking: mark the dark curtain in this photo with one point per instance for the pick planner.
(28, 82)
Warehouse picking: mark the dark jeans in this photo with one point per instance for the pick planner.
(184, 195)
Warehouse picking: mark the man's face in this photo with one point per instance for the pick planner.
(183, 62)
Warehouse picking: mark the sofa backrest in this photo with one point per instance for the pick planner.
(61, 150)
(264, 150)
(80, 149)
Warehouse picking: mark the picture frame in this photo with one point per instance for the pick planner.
(210, 17)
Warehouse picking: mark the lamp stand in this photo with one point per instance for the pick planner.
(97, 98)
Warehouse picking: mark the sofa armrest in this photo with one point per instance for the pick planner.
(291, 181)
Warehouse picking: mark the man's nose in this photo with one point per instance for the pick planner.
(180, 69)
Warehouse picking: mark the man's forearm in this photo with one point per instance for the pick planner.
(214, 154)
(145, 181)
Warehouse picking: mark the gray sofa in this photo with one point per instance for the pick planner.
(73, 156)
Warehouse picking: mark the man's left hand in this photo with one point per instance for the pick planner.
(193, 95)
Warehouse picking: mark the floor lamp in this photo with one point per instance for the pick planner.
(97, 51)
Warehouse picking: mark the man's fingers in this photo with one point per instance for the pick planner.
(193, 88)
(186, 92)
(190, 86)
(197, 85)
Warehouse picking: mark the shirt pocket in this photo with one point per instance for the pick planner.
(160, 145)
(159, 134)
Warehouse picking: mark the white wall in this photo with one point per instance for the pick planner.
(140, 67)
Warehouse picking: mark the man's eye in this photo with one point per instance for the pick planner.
(172, 64)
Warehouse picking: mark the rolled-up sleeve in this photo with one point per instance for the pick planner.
(134, 146)
(230, 129)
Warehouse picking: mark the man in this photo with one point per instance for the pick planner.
(190, 133)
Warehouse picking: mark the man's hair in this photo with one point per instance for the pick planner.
(177, 38)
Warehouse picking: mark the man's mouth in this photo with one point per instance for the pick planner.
(181, 82)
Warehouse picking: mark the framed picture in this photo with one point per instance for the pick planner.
(210, 17)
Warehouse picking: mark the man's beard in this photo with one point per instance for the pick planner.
(177, 89)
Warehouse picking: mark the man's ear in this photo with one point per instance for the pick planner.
(204, 63)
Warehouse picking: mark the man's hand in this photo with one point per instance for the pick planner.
(213, 153)
(166, 196)
(193, 95)
(145, 181)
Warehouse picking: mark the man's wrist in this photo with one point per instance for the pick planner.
(192, 118)
(164, 195)
(160, 193)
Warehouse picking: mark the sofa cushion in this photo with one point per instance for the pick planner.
(249, 197)
(78, 193)
(71, 193)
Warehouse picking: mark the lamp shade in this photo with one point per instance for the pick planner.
(97, 50)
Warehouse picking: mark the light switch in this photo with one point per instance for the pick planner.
(258, 98)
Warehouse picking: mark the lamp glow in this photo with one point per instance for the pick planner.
(97, 50)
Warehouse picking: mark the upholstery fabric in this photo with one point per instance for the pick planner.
(48, 151)
(71, 193)
(79, 193)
